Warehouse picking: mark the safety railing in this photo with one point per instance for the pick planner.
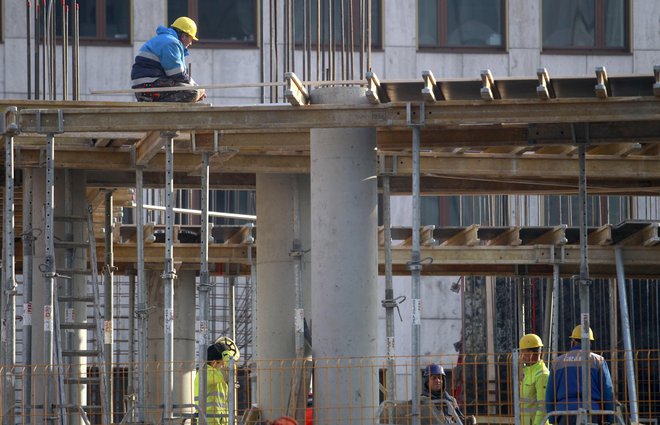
(339, 390)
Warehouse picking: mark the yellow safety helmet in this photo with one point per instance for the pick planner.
(229, 348)
(530, 341)
(186, 25)
(577, 333)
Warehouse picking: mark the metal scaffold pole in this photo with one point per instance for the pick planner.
(584, 283)
(389, 302)
(108, 301)
(9, 290)
(28, 246)
(204, 284)
(627, 342)
(415, 262)
(141, 311)
(168, 279)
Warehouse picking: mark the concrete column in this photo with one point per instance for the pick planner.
(184, 342)
(345, 300)
(276, 300)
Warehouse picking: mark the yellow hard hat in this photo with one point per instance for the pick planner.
(530, 341)
(229, 348)
(577, 333)
(186, 25)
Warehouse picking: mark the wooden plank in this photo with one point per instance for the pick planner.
(600, 236)
(556, 236)
(510, 237)
(648, 236)
(466, 237)
(147, 147)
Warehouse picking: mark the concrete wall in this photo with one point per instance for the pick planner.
(104, 67)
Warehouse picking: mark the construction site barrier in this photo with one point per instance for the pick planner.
(334, 391)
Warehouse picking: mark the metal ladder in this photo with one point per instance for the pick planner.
(90, 299)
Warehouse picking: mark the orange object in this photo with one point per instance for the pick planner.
(285, 420)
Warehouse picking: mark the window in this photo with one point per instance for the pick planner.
(231, 21)
(461, 24)
(347, 19)
(585, 24)
(106, 20)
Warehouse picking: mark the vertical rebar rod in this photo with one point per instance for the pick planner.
(584, 282)
(627, 343)
(108, 301)
(331, 41)
(273, 49)
(28, 246)
(9, 265)
(37, 36)
(262, 51)
(342, 25)
(549, 311)
(361, 16)
(28, 35)
(76, 52)
(204, 283)
(168, 278)
(351, 54)
(516, 387)
(141, 311)
(53, 47)
(389, 294)
(44, 38)
(65, 50)
(368, 25)
(415, 264)
(318, 39)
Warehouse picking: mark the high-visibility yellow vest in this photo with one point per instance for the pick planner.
(532, 393)
(217, 392)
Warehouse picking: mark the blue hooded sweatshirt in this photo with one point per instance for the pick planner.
(163, 56)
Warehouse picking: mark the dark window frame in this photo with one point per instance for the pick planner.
(100, 38)
(442, 33)
(193, 13)
(599, 36)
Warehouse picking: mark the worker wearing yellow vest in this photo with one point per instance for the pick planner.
(534, 382)
(218, 356)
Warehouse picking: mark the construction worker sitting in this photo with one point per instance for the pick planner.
(160, 62)
(434, 392)
(218, 356)
(534, 381)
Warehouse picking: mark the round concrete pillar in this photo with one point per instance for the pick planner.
(184, 341)
(276, 296)
(345, 302)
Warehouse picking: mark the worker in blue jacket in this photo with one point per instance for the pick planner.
(161, 63)
(564, 390)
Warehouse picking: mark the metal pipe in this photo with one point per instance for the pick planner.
(141, 311)
(627, 343)
(76, 51)
(516, 387)
(584, 283)
(52, 50)
(130, 390)
(554, 340)
(28, 247)
(342, 21)
(45, 47)
(415, 263)
(362, 73)
(204, 283)
(390, 303)
(297, 255)
(49, 271)
(108, 301)
(369, 35)
(65, 49)
(351, 55)
(168, 279)
(318, 39)
(28, 34)
(549, 313)
(37, 36)
(9, 265)
(262, 52)
(198, 212)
